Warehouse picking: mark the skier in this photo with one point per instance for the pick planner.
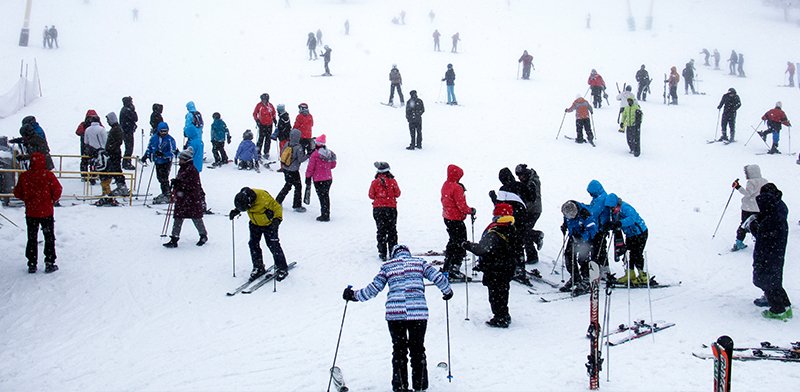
(740, 65)
(770, 229)
(396, 81)
(414, 111)
(673, 81)
(402, 16)
(161, 149)
(622, 97)
(732, 61)
(730, 103)
(264, 116)
(284, 126)
(39, 189)
(598, 86)
(706, 54)
(790, 68)
(326, 55)
(580, 226)
(266, 215)
(320, 164)
(311, 43)
(247, 156)
(219, 134)
(527, 63)
(319, 37)
(384, 192)
(436, 36)
(643, 78)
(599, 248)
(688, 77)
(46, 37)
(114, 162)
(53, 37)
(193, 132)
(81, 131)
(156, 117)
(35, 125)
(532, 239)
(716, 59)
(454, 211)
(510, 193)
(304, 122)
(456, 38)
(622, 216)
(95, 138)
(347, 27)
(127, 120)
(632, 123)
(292, 155)
(583, 112)
(497, 255)
(189, 199)
(32, 143)
(775, 118)
(450, 81)
(749, 206)
(406, 312)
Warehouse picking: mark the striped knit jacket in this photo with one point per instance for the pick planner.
(406, 298)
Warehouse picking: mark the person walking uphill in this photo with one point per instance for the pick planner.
(450, 81)
(320, 164)
(326, 55)
(266, 215)
(406, 312)
(583, 112)
(127, 120)
(384, 192)
(189, 196)
(414, 111)
(193, 131)
(265, 117)
(598, 87)
(749, 206)
(729, 104)
(292, 156)
(454, 211)
(527, 62)
(632, 123)
(39, 189)
(396, 83)
(775, 118)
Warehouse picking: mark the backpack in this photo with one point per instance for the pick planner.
(286, 155)
(100, 160)
(197, 119)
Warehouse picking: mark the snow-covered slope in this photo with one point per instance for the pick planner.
(124, 313)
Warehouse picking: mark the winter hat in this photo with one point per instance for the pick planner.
(449, 66)
(628, 88)
(503, 209)
(770, 188)
(248, 135)
(612, 200)
(399, 249)
(779, 104)
(383, 167)
(112, 119)
(521, 169)
(216, 116)
(569, 209)
(413, 93)
(162, 126)
(281, 108)
(187, 154)
(28, 120)
(127, 101)
(630, 100)
(732, 90)
(320, 140)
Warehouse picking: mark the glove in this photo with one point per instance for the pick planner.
(466, 245)
(229, 139)
(564, 229)
(349, 295)
(447, 296)
(308, 181)
(493, 196)
(566, 110)
(472, 211)
(159, 154)
(233, 214)
(270, 214)
(443, 80)
(144, 159)
(172, 183)
(736, 184)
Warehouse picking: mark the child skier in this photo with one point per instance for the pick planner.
(320, 164)
(384, 192)
(582, 229)
(247, 156)
(189, 196)
(161, 150)
(219, 134)
(749, 207)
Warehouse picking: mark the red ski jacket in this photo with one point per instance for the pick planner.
(304, 122)
(384, 191)
(264, 114)
(454, 203)
(596, 81)
(38, 188)
(776, 115)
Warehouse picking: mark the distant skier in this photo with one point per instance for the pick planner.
(384, 191)
(266, 215)
(716, 59)
(396, 83)
(247, 156)
(732, 61)
(347, 27)
(156, 117)
(436, 36)
(326, 55)
(46, 37)
(775, 118)
(319, 37)
(749, 206)
(730, 103)
(161, 149)
(622, 216)
(598, 87)
(456, 37)
(454, 211)
(581, 229)
(688, 77)
(532, 196)
(790, 69)
(527, 63)
(643, 79)
(219, 134)
(414, 111)
(673, 81)
(706, 54)
(450, 81)
(39, 189)
(193, 132)
(265, 118)
(311, 44)
(320, 164)
(53, 37)
(431, 16)
(402, 16)
(127, 120)
(583, 112)
(632, 123)
(740, 65)
(189, 200)
(406, 312)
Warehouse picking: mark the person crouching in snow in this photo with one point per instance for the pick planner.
(247, 156)
(320, 164)
(582, 229)
(406, 312)
(189, 199)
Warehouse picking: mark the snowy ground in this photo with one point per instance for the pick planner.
(124, 313)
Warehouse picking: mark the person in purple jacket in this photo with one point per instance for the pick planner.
(247, 155)
(319, 167)
(406, 312)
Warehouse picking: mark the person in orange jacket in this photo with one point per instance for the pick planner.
(583, 112)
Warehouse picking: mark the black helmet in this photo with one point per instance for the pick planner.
(732, 90)
(244, 199)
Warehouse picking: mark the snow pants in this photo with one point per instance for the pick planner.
(177, 224)
(740, 232)
(323, 189)
(576, 258)
(292, 179)
(634, 136)
(162, 175)
(728, 120)
(498, 287)
(635, 245)
(386, 223)
(264, 133)
(32, 247)
(399, 93)
(769, 277)
(453, 253)
(408, 336)
(220, 156)
(582, 124)
(270, 234)
(415, 129)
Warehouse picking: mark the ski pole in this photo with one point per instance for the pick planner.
(562, 124)
(233, 246)
(605, 326)
(169, 214)
(563, 245)
(449, 364)
(147, 191)
(466, 283)
(789, 134)
(587, 91)
(717, 124)
(755, 130)
(723, 212)
(518, 64)
(649, 299)
(594, 130)
(10, 221)
(336, 353)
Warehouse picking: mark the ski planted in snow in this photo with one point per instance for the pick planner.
(248, 282)
(268, 277)
(595, 362)
(722, 350)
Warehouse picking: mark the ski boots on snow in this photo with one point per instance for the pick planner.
(49, 268)
(257, 273)
(785, 315)
(173, 242)
(738, 245)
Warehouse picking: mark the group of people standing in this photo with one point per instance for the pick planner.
(50, 37)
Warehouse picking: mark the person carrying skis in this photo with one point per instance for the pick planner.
(732, 61)
(510, 193)
(156, 117)
(450, 81)
(384, 191)
(311, 43)
(264, 116)
(127, 120)
(770, 229)
(632, 123)
(189, 199)
(729, 104)
(291, 157)
(320, 164)
(749, 206)
(406, 312)
(436, 35)
(454, 211)
(247, 156)
(284, 126)
(688, 77)
(790, 69)
(716, 56)
(161, 149)
(266, 215)
(497, 254)
(456, 37)
(706, 54)
(643, 79)
(527, 63)
(219, 134)
(414, 111)
(622, 216)
(673, 81)
(583, 112)
(581, 228)
(598, 87)
(532, 239)
(396, 83)
(193, 131)
(304, 122)
(326, 55)
(39, 189)
(622, 97)
(775, 118)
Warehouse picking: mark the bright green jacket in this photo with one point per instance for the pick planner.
(629, 116)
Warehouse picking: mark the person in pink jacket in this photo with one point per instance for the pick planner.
(320, 164)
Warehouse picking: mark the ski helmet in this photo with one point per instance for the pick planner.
(244, 199)
(248, 135)
(281, 108)
(779, 104)
(732, 90)
(569, 209)
(265, 97)
(628, 88)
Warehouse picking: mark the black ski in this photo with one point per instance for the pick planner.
(537, 276)
(268, 277)
(767, 346)
(248, 282)
(429, 253)
(595, 361)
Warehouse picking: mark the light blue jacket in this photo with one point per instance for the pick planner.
(194, 136)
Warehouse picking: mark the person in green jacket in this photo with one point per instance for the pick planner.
(632, 123)
(266, 216)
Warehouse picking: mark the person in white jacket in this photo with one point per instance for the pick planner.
(749, 207)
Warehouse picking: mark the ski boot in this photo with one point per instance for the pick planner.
(31, 268)
(120, 190)
(410, 148)
(202, 241)
(454, 275)
(630, 276)
(774, 150)
(580, 140)
(498, 322)
(785, 315)
(738, 245)
(281, 274)
(567, 287)
(299, 209)
(257, 273)
(52, 267)
(761, 302)
(522, 277)
(173, 242)
(161, 199)
(323, 218)
(763, 135)
(723, 138)
(642, 279)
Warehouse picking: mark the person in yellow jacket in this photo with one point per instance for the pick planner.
(632, 123)
(265, 216)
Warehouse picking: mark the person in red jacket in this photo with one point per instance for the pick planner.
(454, 211)
(583, 112)
(265, 117)
(384, 192)
(304, 122)
(87, 121)
(598, 87)
(775, 118)
(39, 189)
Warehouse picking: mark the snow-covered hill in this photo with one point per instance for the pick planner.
(124, 313)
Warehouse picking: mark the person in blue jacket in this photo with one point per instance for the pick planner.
(161, 149)
(596, 206)
(36, 127)
(219, 134)
(406, 312)
(582, 228)
(247, 155)
(622, 216)
(193, 131)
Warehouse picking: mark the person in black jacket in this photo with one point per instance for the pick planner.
(688, 77)
(643, 78)
(729, 104)
(414, 110)
(450, 81)
(532, 239)
(511, 193)
(156, 117)
(496, 261)
(771, 229)
(128, 119)
(114, 162)
(284, 126)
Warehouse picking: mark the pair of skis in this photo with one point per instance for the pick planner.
(638, 329)
(253, 285)
(767, 352)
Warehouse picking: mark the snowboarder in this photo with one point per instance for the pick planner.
(706, 54)
(749, 206)
(304, 122)
(127, 120)
(740, 65)
(264, 116)
(732, 61)
(406, 312)
(311, 43)
(161, 149)
(622, 216)
(598, 87)
(326, 55)
(450, 81)
(510, 193)
(688, 77)
(156, 117)
(291, 157)
(790, 68)
(583, 112)
(729, 104)
(284, 126)
(247, 156)
(632, 123)
(436, 36)
(673, 81)
(716, 59)
(414, 111)
(775, 118)
(114, 162)
(193, 132)
(456, 38)
(396, 82)
(454, 211)
(384, 192)
(219, 134)
(497, 255)
(527, 63)
(189, 199)
(320, 164)
(39, 189)
(643, 79)
(532, 239)
(581, 228)
(266, 215)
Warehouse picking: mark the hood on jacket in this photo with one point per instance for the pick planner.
(29, 120)
(112, 119)
(158, 108)
(505, 176)
(612, 200)
(190, 106)
(38, 161)
(400, 250)
(127, 102)
(595, 188)
(27, 131)
(454, 173)
(294, 137)
(89, 114)
(752, 172)
(768, 200)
